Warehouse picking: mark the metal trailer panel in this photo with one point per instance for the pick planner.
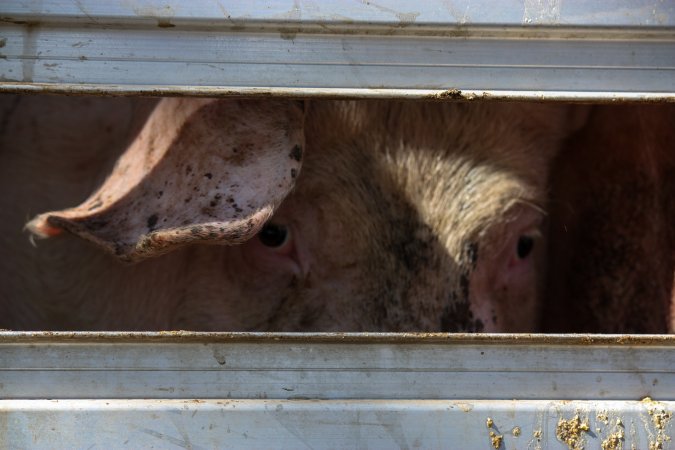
(282, 366)
(242, 390)
(401, 14)
(295, 424)
(605, 50)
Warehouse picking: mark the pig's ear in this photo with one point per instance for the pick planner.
(200, 171)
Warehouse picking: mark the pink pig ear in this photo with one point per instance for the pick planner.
(200, 171)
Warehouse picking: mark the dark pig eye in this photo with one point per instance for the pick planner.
(273, 235)
(525, 246)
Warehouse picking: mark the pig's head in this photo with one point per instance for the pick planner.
(407, 216)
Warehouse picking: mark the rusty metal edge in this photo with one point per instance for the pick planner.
(334, 93)
(52, 337)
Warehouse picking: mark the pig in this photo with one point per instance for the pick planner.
(612, 215)
(275, 214)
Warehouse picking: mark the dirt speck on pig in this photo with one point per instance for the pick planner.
(329, 215)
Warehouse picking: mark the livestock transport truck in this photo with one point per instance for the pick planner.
(182, 389)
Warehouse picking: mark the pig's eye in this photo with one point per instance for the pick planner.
(525, 246)
(274, 249)
(274, 236)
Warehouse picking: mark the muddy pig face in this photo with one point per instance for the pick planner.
(406, 216)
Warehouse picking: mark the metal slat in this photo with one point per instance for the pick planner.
(404, 13)
(611, 50)
(289, 369)
(238, 366)
(260, 390)
(284, 424)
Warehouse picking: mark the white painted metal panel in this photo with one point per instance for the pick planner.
(220, 390)
(196, 365)
(612, 49)
(331, 13)
(297, 424)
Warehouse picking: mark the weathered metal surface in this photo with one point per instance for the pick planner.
(337, 366)
(466, 424)
(335, 390)
(612, 50)
(337, 93)
(402, 14)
